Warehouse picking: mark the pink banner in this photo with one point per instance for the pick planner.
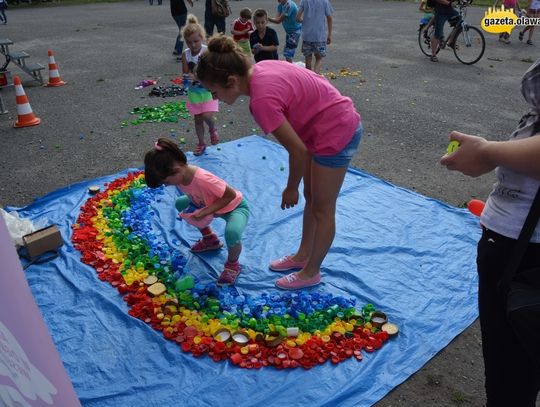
(31, 373)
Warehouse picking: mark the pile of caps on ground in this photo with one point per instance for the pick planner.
(115, 236)
(168, 91)
(169, 112)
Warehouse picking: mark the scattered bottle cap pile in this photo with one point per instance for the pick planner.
(169, 112)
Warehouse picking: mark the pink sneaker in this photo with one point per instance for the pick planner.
(293, 282)
(229, 274)
(286, 263)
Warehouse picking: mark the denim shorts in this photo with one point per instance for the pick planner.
(344, 157)
(441, 16)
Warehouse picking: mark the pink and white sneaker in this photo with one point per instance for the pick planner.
(286, 263)
(294, 282)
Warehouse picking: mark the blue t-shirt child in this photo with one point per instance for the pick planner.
(289, 9)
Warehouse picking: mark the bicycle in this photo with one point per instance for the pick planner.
(467, 41)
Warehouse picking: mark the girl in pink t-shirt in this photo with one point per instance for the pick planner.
(166, 164)
(319, 128)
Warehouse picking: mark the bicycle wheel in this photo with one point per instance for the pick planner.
(469, 45)
(424, 40)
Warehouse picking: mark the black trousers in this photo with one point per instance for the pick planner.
(211, 20)
(511, 379)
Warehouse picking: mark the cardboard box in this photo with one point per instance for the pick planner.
(42, 241)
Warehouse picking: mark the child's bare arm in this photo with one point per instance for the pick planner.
(222, 202)
(233, 31)
(277, 19)
(185, 67)
(329, 22)
(269, 48)
(300, 15)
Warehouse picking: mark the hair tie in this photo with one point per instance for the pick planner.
(158, 147)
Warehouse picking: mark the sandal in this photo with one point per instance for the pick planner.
(293, 282)
(214, 136)
(229, 274)
(433, 58)
(529, 42)
(521, 34)
(206, 245)
(199, 150)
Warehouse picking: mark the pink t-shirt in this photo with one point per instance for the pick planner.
(324, 119)
(206, 188)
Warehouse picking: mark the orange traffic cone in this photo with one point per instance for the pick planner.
(54, 76)
(25, 116)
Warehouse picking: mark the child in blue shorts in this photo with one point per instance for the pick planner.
(316, 18)
(286, 14)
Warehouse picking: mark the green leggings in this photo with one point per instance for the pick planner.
(236, 220)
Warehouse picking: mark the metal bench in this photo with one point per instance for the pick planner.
(19, 59)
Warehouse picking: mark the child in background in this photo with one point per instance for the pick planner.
(316, 18)
(264, 40)
(317, 125)
(286, 14)
(533, 10)
(510, 5)
(166, 164)
(427, 19)
(200, 102)
(241, 28)
(3, 7)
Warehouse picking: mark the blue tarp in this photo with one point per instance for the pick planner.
(411, 256)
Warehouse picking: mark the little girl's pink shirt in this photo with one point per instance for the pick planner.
(324, 119)
(206, 188)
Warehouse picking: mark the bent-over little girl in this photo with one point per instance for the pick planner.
(166, 164)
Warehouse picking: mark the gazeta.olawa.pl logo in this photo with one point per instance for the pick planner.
(503, 20)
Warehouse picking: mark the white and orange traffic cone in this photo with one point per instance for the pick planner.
(54, 76)
(25, 115)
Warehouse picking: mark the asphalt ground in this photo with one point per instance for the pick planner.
(408, 106)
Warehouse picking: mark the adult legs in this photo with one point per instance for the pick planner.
(220, 24)
(208, 24)
(440, 18)
(210, 21)
(180, 22)
(321, 188)
(511, 380)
